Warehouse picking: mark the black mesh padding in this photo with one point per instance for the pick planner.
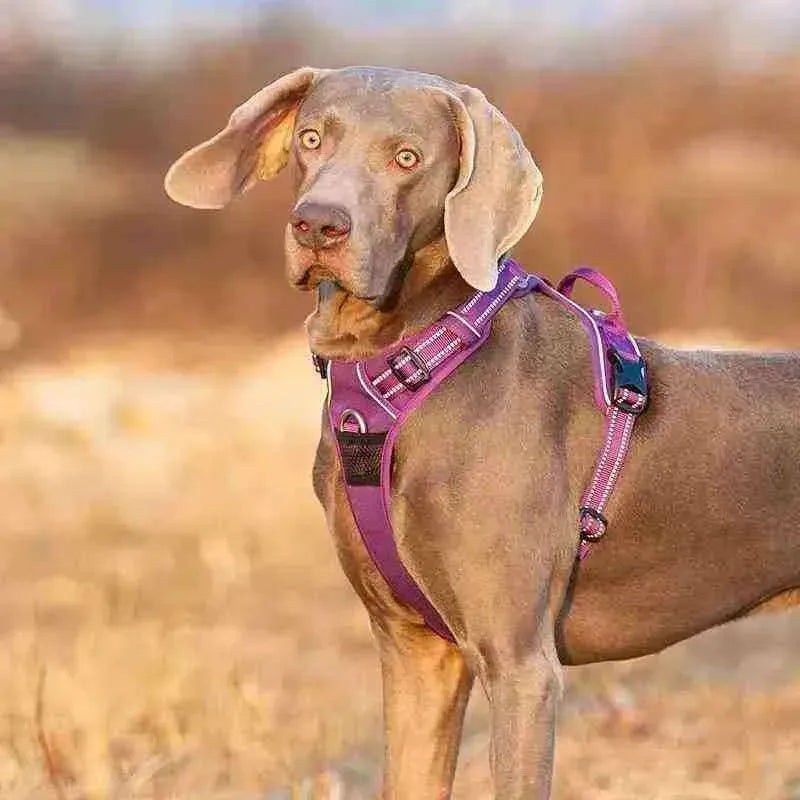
(361, 457)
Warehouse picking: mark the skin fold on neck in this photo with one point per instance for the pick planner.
(346, 327)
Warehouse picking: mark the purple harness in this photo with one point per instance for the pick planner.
(369, 400)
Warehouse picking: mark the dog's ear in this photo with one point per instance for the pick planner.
(497, 192)
(254, 145)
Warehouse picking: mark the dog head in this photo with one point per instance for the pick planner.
(386, 162)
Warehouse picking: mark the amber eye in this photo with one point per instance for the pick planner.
(310, 139)
(407, 159)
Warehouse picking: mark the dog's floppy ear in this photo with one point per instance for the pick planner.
(254, 145)
(497, 192)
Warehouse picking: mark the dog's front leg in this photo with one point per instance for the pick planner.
(426, 686)
(523, 692)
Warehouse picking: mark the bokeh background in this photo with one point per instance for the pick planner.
(173, 621)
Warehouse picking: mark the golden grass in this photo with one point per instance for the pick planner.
(704, 743)
(168, 590)
(175, 623)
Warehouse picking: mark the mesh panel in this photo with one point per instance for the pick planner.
(361, 457)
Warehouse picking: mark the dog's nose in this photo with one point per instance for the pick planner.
(318, 225)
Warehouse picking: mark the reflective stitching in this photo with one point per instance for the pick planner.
(598, 339)
(509, 287)
(620, 459)
(470, 304)
(434, 362)
(403, 360)
(465, 322)
(613, 415)
(370, 390)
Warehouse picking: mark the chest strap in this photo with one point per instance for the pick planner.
(369, 400)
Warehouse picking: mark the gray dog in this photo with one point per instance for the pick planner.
(706, 520)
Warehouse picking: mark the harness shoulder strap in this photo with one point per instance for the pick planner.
(621, 392)
(368, 402)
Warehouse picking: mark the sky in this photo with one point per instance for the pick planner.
(155, 25)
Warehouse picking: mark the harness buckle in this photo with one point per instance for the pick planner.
(629, 376)
(417, 361)
(320, 365)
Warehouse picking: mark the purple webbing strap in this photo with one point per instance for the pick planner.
(619, 429)
(620, 403)
(376, 396)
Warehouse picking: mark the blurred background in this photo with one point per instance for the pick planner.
(173, 620)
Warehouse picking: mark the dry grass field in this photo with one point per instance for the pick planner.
(175, 624)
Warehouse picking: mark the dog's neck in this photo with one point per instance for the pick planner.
(345, 327)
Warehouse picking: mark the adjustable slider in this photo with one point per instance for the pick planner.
(420, 374)
(593, 524)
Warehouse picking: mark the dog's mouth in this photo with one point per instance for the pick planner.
(327, 285)
(320, 277)
(344, 315)
(314, 276)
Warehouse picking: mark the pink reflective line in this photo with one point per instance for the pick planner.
(619, 430)
(593, 331)
(599, 471)
(465, 322)
(371, 392)
(619, 426)
(430, 353)
(452, 347)
(621, 445)
(499, 300)
(433, 351)
(446, 341)
(443, 342)
(584, 549)
(472, 302)
(401, 362)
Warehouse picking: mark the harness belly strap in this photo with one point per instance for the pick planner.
(369, 400)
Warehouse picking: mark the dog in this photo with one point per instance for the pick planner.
(410, 187)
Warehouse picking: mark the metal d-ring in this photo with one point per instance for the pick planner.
(360, 421)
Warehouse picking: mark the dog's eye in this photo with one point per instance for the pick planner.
(310, 139)
(407, 159)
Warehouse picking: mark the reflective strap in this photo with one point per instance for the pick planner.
(395, 383)
(619, 429)
(404, 371)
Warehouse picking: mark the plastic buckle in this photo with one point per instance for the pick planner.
(630, 374)
(415, 359)
(320, 365)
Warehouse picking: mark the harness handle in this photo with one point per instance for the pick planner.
(599, 281)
